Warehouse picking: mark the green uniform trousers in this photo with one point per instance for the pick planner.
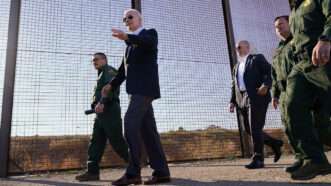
(283, 115)
(107, 125)
(305, 112)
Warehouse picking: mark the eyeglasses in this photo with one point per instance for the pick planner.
(125, 19)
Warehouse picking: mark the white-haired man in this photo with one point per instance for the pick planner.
(140, 70)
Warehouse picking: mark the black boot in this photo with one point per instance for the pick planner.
(310, 170)
(295, 166)
(256, 163)
(87, 176)
(276, 147)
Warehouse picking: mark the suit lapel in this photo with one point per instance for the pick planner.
(236, 69)
(130, 47)
(126, 56)
(127, 49)
(248, 61)
(142, 31)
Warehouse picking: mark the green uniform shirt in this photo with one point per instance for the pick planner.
(282, 64)
(309, 20)
(105, 74)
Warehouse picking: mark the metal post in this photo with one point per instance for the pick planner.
(136, 4)
(244, 142)
(8, 89)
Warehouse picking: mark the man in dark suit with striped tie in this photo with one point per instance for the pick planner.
(140, 70)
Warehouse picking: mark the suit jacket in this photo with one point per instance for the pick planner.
(139, 65)
(257, 72)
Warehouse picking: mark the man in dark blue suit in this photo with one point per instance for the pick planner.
(251, 96)
(140, 70)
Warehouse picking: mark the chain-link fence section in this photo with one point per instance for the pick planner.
(55, 79)
(253, 21)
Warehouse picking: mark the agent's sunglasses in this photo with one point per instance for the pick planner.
(125, 19)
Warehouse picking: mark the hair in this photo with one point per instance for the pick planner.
(286, 17)
(135, 11)
(242, 41)
(101, 54)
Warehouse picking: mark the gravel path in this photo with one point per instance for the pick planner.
(202, 173)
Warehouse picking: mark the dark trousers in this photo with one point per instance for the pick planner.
(252, 116)
(139, 124)
(107, 126)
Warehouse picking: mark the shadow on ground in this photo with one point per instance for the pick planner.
(186, 182)
(175, 182)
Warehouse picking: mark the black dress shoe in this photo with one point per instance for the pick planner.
(157, 179)
(255, 164)
(295, 166)
(277, 150)
(127, 180)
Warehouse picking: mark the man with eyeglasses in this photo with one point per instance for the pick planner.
(140, 70)
(251, 96)
(107, 125)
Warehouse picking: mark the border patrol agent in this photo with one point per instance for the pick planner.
(107, 125)
(282, 64)
(309, 82)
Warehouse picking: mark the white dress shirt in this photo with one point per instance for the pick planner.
(137, 32)
(241, 70)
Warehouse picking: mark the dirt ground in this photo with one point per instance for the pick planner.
(202, 173)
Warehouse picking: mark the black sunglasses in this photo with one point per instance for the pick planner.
(127, 18)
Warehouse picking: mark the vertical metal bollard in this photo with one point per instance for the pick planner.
(244, 142)
(8, 89)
